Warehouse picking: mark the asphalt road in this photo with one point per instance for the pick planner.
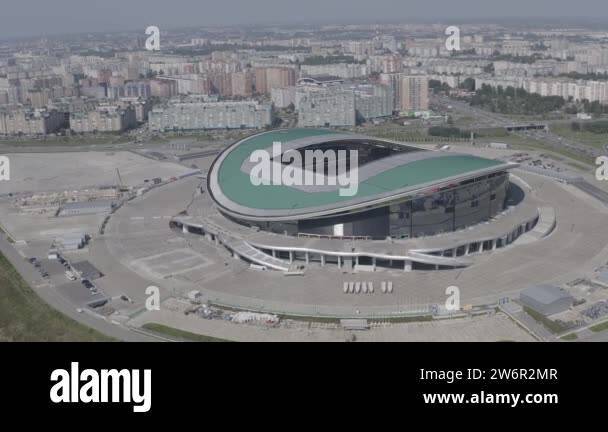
(488, 119)
(55, 300)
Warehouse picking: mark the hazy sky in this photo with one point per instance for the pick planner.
(39, 17)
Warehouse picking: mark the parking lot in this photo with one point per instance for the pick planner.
(56, 271)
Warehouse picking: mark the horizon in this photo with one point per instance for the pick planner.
(68, 17)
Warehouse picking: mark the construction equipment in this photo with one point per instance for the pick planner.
(120, 186)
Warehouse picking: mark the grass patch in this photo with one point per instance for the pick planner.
(493, 132)
(552, 326)
(311, 319)
(570, 337)
(180, 334)
(74, 140)
(26, 317)
(462, 121)
(330, 320)
(597, 140)
(599, 327)
(404, 319)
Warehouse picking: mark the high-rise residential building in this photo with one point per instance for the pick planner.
(341, 70)
(391, 64)
(165, 88)
(242, 84)
(210, 115)
(392, 80)
(104, 118)
(389, 42)
(593, 91)
(260, 80)
(141, 106)
(413, 93)
(187, 84)
(38, 98)
(283, 97)
(325, 106)
(221, 84)
(362, 48)
(373, 101)
(136, 89)
(267, 78)
(31, 122)
(279, 78)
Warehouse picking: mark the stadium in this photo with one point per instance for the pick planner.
(408, 201)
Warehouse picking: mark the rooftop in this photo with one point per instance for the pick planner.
(545, 293)
(232, 188)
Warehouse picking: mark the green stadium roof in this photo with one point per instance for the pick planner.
(236, 187)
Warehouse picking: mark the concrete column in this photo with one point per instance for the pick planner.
(307, 258)
(407, 266)
(454, 252)
(357, 260)
(467, 249)
(322, 260)
(185, 229)
(339, 262)
(290, 257)
(374, 263)
(235, 255)
(274, 253)
(494, 244)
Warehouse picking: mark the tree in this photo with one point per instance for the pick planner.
(468, 84)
